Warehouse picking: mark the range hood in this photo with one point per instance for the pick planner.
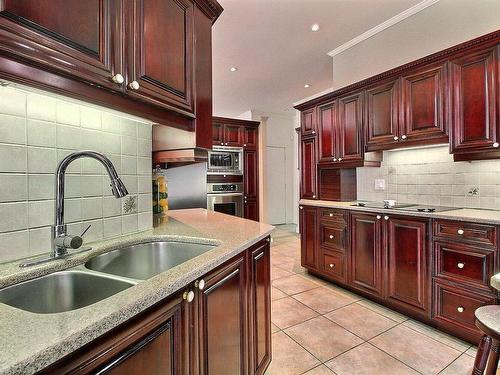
(172, 145)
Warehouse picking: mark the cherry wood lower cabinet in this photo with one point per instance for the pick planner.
(437, 273)
(218, 325)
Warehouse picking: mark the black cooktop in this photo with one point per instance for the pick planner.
(405, 207)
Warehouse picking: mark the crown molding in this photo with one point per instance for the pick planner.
(384, 25)
(314, 96)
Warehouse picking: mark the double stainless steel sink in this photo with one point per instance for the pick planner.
(101, 277)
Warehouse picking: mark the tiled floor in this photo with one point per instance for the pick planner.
(321, 329)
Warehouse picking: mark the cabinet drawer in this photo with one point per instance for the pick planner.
(332, 237)
(464, 263)
(467, 232)
(334, 265)
(332, 215)
(456, 305)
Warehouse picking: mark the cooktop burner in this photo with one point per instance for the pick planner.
(405, 207)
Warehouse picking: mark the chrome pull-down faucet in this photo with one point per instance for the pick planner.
(61, 241)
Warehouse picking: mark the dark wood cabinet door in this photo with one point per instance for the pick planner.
(80, 39)
(308, 232)
(308, 121)
(251, 209)
(250, 138)
(250, 175)
(217, 134)
(474, 95)
(350, 127)
(366, 253)
(233, 135)
(381, 111)
(223, 320)
(407, 276)
(160, 43)
(308, 168)
(260, 319)
(327, 140)
(423, 105)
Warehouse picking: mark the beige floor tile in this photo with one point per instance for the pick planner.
(322, 299)
(391, 314)
(449, 340)
(289, 358)
(287, 312)
(416, 350)
(361, 321)
(277, 294)
(320, 370)
(292, 265)
(368, 360)
(274, 328)
(277, 273)
(294, 284)
(472, 351)
(323, 338)
(461, 366)
(346, 293)
(315, 279)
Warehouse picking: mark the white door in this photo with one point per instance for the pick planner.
(276, 188)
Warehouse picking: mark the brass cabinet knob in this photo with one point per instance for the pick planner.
(461, 265)
(301, 207)
(331, 215)
(118, 78)
(460, 231)
(460, 309)
(200, 284)
(134, 85)
(334, 159)
(314, 195)
(386, 217)
(313, 132)
(340, 159)
(332, 265)
(379, 217)
(244, 145)
(396, 137)
(496, 144)
(331, 236)
(403, 136)
(188, 296)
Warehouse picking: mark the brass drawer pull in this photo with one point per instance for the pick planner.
(331, 236)
(460, 231)
(461, 265)
(332, 265)
(460, 309)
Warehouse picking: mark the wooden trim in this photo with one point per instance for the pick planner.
(488, 39)
(235, 121)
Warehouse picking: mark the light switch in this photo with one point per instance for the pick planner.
(379, 184)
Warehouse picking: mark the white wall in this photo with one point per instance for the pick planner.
(442, 25)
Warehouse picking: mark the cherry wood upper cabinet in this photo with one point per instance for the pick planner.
(217, 134)
(233, 135)
(160, 52)
(423, 104)
(350, 128)
(382, 115)
(250, 138)
(328, 145)
(408, 274)
(308, 168)
(308, 121)
(70, 37)
(224, 342)
(308, 234)
(365, 259)
(474, 83)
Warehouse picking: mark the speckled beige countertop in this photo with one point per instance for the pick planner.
(459, 214)
(29, 342)
(495, 281)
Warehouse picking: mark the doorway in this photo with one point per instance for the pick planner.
(276, 187)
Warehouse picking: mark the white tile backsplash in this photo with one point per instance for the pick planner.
(430, 176)
(37, 130)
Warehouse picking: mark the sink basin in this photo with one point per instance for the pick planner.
(61, 291)
(146, 260)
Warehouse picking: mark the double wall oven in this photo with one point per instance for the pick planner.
(225, 180)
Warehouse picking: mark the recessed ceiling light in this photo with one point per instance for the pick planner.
(307, 85)
(315, 27)
(233, 69)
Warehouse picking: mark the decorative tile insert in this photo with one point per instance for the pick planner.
(37, 130)
(430, 176)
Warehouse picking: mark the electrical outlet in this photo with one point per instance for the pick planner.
(379, 184)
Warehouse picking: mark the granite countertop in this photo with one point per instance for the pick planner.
(31, 342)
(459, 214)
(495, 281)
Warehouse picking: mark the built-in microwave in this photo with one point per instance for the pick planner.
(225, 160)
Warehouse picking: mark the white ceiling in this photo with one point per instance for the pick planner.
(276, 53)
